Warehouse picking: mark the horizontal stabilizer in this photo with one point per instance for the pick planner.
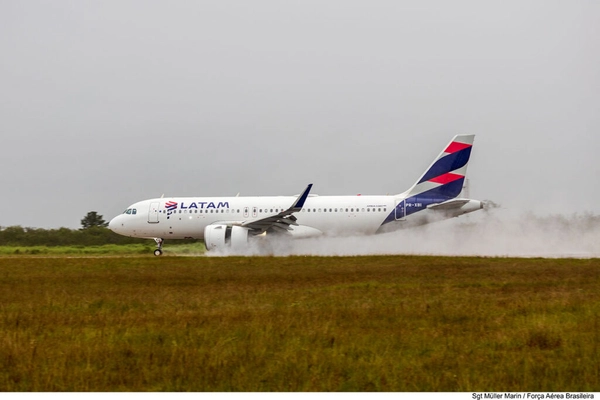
(457, 207)
(448, 205)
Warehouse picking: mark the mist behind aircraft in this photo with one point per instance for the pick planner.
(497, 233)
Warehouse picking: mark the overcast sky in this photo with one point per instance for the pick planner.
(104, 103)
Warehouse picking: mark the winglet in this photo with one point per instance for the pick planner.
(297, 206)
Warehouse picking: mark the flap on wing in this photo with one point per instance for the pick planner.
(448, 205)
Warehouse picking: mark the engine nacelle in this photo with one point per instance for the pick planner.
(220, 237)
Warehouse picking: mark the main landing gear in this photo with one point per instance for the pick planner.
(158, 251)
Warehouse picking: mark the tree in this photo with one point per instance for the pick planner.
(92, 219)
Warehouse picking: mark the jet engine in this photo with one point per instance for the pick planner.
(220, 237)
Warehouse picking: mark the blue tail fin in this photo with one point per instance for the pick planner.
(445, 177)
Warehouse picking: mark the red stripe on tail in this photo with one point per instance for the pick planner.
(456, 146)
(446, 178)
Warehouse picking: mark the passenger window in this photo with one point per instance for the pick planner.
(379, 209)
(324, 210)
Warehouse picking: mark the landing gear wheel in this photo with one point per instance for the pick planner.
(158, 251)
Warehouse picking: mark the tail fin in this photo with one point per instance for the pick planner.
(445, 177)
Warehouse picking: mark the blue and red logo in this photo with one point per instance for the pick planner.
(171, 206)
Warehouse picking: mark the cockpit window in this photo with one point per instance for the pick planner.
(134, 211)
(128, 211)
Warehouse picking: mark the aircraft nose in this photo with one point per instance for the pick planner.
(114, 224)
(111, 225)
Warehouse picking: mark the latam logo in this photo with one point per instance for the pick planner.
(172, 206)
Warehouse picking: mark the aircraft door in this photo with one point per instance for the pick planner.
(400, 210)
(153, 213)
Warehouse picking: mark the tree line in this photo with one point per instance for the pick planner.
(93, 232)
(93, 236)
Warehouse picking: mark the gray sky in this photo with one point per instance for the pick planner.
(104, 103)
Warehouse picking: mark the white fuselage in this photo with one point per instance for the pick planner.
(332, 215)
(187, 217)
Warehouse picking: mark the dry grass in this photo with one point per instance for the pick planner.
(385, 323)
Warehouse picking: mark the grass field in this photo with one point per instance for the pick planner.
(106, 250)
(384, 323)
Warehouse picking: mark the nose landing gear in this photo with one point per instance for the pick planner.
(158, 251)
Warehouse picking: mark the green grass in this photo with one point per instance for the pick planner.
(108, 250)
(385, 323)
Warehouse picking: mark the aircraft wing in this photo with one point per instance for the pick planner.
(280, 222)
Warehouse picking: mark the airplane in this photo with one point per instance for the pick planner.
(232, 223)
